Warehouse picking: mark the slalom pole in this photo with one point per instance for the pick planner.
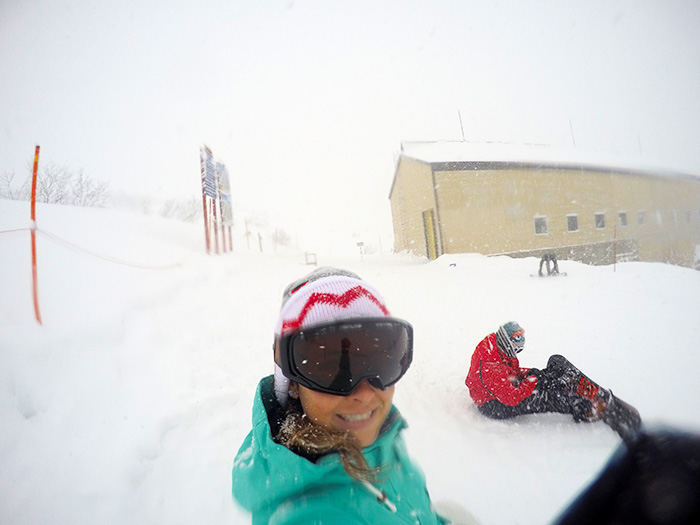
(35, 280)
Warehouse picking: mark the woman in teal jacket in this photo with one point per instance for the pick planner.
(326, 443)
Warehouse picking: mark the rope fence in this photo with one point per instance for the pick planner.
(115, 260)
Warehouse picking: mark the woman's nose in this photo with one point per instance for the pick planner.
(363, 391)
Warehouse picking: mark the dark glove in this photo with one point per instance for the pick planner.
(535, 375)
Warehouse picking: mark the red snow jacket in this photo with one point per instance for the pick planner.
(494, 375)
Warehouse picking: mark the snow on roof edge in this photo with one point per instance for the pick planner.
(444, 151)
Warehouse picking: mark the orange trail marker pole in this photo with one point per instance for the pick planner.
(35, 285)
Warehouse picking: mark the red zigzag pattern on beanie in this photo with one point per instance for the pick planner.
(342, 301)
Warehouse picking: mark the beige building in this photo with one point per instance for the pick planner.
(501, 200)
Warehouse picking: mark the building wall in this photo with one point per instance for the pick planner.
(676, 219)
(411, 195)
(493, 211)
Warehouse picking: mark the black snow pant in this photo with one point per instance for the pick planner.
(550, 395)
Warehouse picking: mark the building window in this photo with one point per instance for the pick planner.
(599, 221)
(688, 216)
(641, 217)
(659, 218)
(540, 225)
(572, 223)
(622, 218)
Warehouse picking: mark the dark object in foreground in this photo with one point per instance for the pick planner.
(654, 479)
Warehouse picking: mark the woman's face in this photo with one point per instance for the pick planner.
(362, 413)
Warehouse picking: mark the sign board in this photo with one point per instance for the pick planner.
(208, 173)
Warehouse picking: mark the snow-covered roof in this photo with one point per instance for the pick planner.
(448, 153)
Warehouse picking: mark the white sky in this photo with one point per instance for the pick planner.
(306, 102)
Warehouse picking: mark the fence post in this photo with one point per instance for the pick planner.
(35, 279)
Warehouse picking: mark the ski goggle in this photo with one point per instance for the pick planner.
(518, 340)
(334, 358)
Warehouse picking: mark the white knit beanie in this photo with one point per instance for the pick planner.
(325, 295)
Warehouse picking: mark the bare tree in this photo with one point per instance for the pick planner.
(144, 204)
(99, 194)
(86, 192)
(8, 190)
(78, 188)
(57, 185)
(52, 184)
(169, 208)
(191, 210)
(281, 237)
(188, 210)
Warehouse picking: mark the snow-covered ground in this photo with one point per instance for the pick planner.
(130, 402)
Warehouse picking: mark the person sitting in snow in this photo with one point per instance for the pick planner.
(326, 442)
(502, 389)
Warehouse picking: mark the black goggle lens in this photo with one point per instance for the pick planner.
(335, 358)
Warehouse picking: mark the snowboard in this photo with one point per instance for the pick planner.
(622, 417)
(560, 274)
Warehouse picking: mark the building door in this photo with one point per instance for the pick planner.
(430, 237)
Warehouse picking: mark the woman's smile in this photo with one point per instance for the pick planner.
(362, 412)
(356, 418)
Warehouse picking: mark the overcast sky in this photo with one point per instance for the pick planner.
(307, 102)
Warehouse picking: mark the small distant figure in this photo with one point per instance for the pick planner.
(550, 259)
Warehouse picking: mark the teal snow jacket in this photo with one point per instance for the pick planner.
(281, 487)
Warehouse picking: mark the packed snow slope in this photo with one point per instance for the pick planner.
(129, 403)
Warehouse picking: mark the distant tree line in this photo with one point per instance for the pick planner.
(186, 210)
(59, 185)
(56, 185)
